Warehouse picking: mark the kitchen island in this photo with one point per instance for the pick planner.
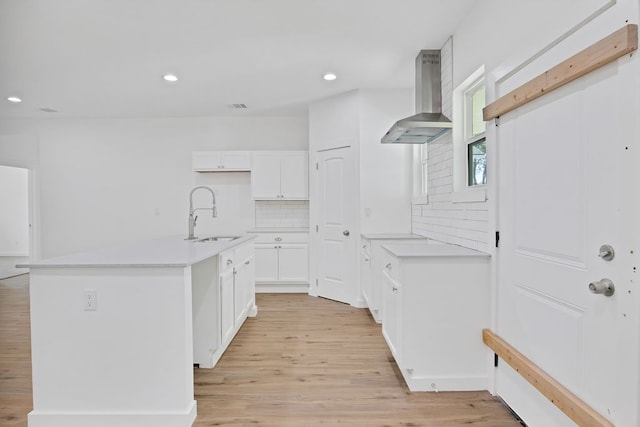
(115, 333)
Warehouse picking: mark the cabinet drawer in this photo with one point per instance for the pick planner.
(282, 238)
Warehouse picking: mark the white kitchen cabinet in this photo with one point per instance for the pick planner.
(243, 284)
(280, 175)
(282, 262)
(227, 321)
(435, 305)
(371, 265)
(266, 263)
(366, 277)
(221, 161)
(293, 260)
(234, 300)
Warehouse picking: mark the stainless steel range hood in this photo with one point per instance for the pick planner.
(429, 123)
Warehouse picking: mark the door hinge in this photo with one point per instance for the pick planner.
(497, 121)
(316, 228)
(316, 283)
(316, 165)
(497, 239)
(495, 360)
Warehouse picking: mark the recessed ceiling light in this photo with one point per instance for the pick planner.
(14, 99)
(329, 76)
(170, 77)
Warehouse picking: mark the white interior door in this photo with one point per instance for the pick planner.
(562, 181)
(336, 219)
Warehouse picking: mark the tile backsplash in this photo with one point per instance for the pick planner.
(282, 213)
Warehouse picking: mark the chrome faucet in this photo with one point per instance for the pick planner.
(193, 219)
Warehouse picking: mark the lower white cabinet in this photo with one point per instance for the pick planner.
(435, 305)
(371, 265)
(282, 262)
(226, 282)
(227, 321)
(244, 288)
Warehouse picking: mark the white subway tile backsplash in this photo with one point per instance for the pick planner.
(282, 213)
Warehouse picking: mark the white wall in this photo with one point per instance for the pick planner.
(105, 182)
(385, 173)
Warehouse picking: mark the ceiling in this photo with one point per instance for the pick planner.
(106, 58)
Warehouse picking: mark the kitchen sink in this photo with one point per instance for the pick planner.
(217, 239)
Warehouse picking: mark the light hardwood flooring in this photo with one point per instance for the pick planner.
(302, 361)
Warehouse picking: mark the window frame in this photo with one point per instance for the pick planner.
(420, 175)
(462, 125)
(469, 137)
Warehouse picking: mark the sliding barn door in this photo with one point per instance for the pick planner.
(563, 185)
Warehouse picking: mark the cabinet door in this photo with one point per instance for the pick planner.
(226, 306)
(266, 263)
(204, 161)
(294, 175)
(236, 160)
(365, 275)
(293, 263)
(391, 316)
(242, 290)
(265, 176)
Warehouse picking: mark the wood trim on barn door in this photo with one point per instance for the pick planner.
(574, 407)
(607, 50)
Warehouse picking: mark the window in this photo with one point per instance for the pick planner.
(469, 140)
(474, 134)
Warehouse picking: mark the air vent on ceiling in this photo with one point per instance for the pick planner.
(48, 110)
(238, 106)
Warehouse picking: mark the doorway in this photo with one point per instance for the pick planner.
(15, 235)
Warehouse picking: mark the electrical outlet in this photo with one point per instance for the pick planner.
(90, 300)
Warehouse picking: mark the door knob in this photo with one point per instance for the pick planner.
(346, 232)
(604, 287)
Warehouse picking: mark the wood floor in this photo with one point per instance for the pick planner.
(302, 362)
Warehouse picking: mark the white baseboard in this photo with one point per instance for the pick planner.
(15, 254)
(12, 271)
(95, 419)
(282, 288)
(428, 383)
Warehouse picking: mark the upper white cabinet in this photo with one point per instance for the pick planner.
(280, 175)
(221, 161)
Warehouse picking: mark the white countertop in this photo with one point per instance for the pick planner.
(402, 250)
(389, 236)
(163, 252)
(278, 230)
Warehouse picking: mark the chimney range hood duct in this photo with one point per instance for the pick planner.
(429, 123)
